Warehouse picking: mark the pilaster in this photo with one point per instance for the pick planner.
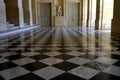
(21, 16)
(116, 19)
(3, 25)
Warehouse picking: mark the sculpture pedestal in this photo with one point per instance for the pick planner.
(59, 21)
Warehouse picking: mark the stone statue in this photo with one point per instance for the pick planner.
(59, 11)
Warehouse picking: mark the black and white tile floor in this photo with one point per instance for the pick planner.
(61, 53)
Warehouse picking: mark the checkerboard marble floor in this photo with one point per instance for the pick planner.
(60, 53)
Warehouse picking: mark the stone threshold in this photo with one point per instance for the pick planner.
(16, 31)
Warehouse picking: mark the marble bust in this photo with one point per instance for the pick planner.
(59, 11)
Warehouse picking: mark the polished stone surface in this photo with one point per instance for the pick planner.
(60, 53)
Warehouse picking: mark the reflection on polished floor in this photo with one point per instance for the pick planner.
(60, 53)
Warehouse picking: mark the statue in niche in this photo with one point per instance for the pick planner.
(59, 11)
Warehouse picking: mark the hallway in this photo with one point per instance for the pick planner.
(60, 53)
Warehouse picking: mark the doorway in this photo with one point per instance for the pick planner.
(45, 14)
(72, 14)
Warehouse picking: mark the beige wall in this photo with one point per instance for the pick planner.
(55, 4)
(52, 6)
(26, 12)
(12, 13)
(116, 18)
(12, 7)
(34, 12)
(2, 16)
(80, 11)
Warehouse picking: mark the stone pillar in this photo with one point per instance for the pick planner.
(34, 12)
(85, 9)
(99, 13)
(93, 13)
(12, 11)
(88, 13)
(30, 10)
(21, 18)
(27, 10)
(37, 8)
(3, 25)
(116, 19)
(81, 13)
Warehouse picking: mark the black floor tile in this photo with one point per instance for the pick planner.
(115, 56)
(89, 56)
(66, 66)
(7, 65)
(30, 76)
(1, 78)
(34, 66)
(105, 76)
(14, 57)
(39, 57)
(3, 51)
(64, 50)
(117, 64)
(64, 57)
(83, 43)
(63, 46)
(12, 46)
(46, 46)
(43, 51)
(97, 65)
(67, 76)
(22, 51)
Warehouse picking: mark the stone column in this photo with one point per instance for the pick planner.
(116, 19)
(30, 10)
(88, 13)
(99, 13)
(81, 13)
(21, 18)
(12, 11)
(37, 7)
(34, 12)
(27, 10)
(3, 25)
(85, 9)
(93, 13)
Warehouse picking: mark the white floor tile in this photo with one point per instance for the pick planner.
(84, 72)
(23, 61)
(114, 70)
(75, 53)
(79, 61)
(13, 72)
(106, 60)
(53, 53)
(48, 72)
(30, 54)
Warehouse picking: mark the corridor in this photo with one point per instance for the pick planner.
(60, 53)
